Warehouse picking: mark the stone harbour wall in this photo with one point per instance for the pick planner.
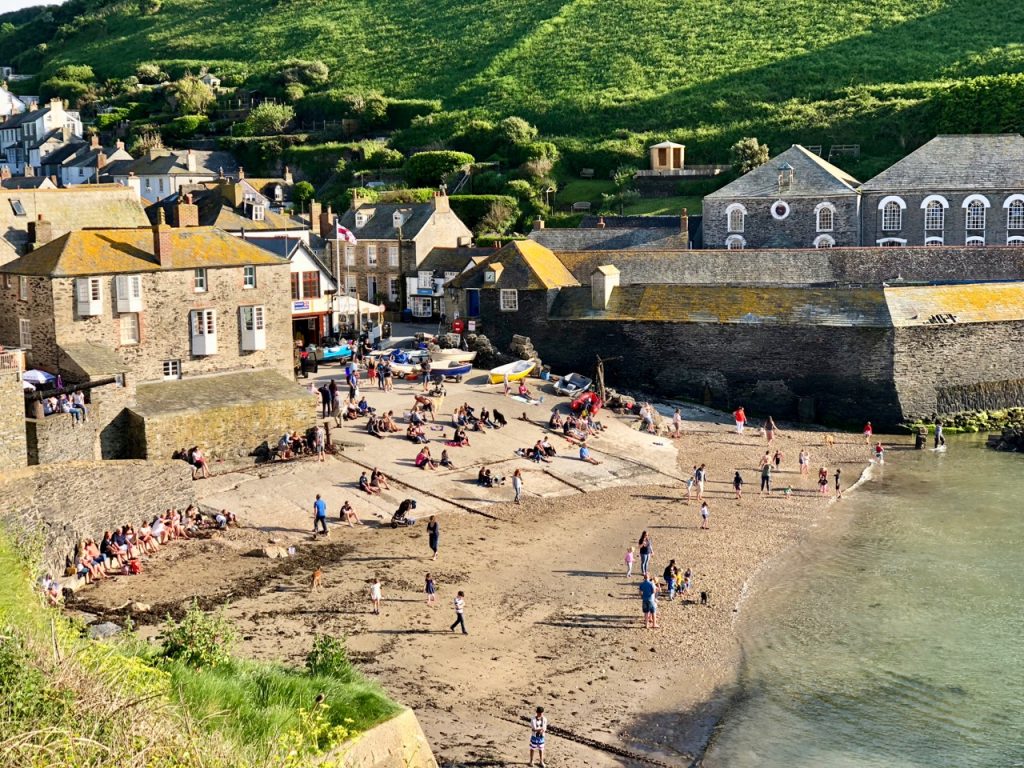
(58, 504)
(57, 438)
(398, 742)
(13, 451)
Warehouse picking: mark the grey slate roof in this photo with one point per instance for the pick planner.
(24, 182)
(25, 117)
(441, 260)
(162, 163)
(630, 222)
(812, 177)
(967, 162)
(285, 247)
(610, 239)
(381, 224)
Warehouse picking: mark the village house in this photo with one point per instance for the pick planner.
(181, 336)
(616, 233)
(954, 190)
(436, 271)
(393, 239)
(795, 200)
(27, 137)
(79, 161)
(33, 216)
(161, 172)
(25, 182)
(9, 103)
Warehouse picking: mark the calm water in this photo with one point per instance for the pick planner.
(899, 642)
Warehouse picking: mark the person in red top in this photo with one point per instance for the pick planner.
(867, 433)
(741, 419)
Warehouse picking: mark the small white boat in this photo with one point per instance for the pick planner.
(513, 371)
(573, 384)
(450, 369)
(458, 355)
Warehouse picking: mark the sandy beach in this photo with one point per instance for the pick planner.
(552, 618)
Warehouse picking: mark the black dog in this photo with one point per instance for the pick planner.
(703, 598)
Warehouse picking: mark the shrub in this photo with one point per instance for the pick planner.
(473, 209)
(302, 193)
(329, 659)
(747, 154)
(313, 72)
(401, 112)
(150, 72)
(199, 639)
(430, 168)
(268, 118)
(516, 131)
(191, 95)
(184, 127)
(79, 73)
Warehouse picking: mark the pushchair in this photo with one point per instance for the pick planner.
(401, 516)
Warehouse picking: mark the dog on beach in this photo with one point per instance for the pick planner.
(703, 598)
(317, 582)
(830, 440)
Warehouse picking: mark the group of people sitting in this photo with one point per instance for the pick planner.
(465, 417)
(540, 451)
(195, 459)
(73, 404)
(375, 483)
(576, 428)
(488, 480)
(424, 460)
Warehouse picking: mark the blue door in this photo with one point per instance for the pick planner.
(473, 303)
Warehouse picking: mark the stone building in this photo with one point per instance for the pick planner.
(27, 137)
(954, 190)
(156, 323)
(795, 200)
(161, 172)
(393, 239)
(614, 233)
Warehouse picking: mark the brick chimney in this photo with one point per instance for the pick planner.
(65, 133)
(600, 222)
(241, 173)
(327, 230)
(40, 231)
(94, 141)
(135, 184)
(684, 226)
(314, 213)
(101, 160)
(186, 212)
(33, 106)
(538, 223)
(119, 144)
(162, 240)
(29, 171)
(287, 175)
(190, 161)
(441, 204)
(357, 199)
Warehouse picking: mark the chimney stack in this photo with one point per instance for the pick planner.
(135, 184)
(65, 133)
(162, 240)
(538, 223)
(190, 161)
(603, 281)
(33, 106)
(441, 203)
(287, 175)
(119, 144)
(94, 141)
(314, 213)
(241, 173)
(29, 171)
(41, 231)
(186, 213)
(101, 160)
(600, 222)
(5, 172)
(327, 230)
(684, 226)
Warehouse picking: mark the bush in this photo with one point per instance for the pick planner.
(747, 154)
(430, 168)
(329, 659)
(150, 72)
(79, 73)
(184, 127)
(473, 209)
(267, 119)
(191, 95)
(199, 639)
(401, 112)
(302, 193)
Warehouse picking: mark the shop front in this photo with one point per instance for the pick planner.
(309, 326)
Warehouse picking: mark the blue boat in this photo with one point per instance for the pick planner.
(338, 352)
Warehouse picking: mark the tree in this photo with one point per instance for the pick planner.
(268, 119)
(516, 131)
(302, 193)
(748, 154)
(150, 72)
(499, 217)
(428, 169)
(192, 96)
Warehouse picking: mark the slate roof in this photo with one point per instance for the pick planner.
(441, 260)
(26, 182)
(812, 177)
(973, 303)
(54, 134)
(729, 305)
(223, 390)
(91, 359)
(111, 251)
(611, 239)
(164, 163)
(381, 224)
(285, 248)
(14, 121)
(214, 211)
(963, 162)
(524, 265)
(78, 207)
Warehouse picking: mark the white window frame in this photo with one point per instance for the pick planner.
(131, 329)
(425, 279)
(129, 293)
(974, 214)
(934, 215)
(1014, 206)
(259, 212)
(891, 242)
(371, 255)
(891, 210)
(820, 212)
(824, 241)
(421, 306)
(508, 300)
(24, 333)
(252, 320)
(394, 287)
(735, 243)
(735, 217)
(1015, 240)
(350, 284)
(203, 323)
(23, 287)
(200, 280)
(935, 240)
(171, 369)
(89, 296)
(350, 255)
(392, 255)
(974, 240)
(248, 277)
(780, 210)
(361, 219)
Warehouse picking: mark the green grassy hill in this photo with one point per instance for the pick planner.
(810, 71)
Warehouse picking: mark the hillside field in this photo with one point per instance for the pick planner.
(808, 71)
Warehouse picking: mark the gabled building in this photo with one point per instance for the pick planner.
(9, 103)
(314, 306)
(161, 172)
(616, 233)
(28, 136)
(954, 190)
(795, 200)
(79, 161)
(426, 289)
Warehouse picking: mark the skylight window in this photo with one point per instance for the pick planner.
(18, 208)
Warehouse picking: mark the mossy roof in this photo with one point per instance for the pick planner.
(526, 265)
(110, 251)
(955, 304)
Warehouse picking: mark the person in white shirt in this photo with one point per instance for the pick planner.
(538, 730)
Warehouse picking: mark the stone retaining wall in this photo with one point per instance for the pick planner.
(13, 452)
(397, 743)
(58, 438)
(61, 503)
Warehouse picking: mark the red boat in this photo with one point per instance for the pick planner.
(588, 401)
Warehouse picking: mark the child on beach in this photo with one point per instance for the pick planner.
(804, 460)
(629, 562)
(704, 512)
(737, 484)
(839, 492)
(431, 590)
(867, 433)
(689, 484)
(879, 453)
(375, 595)
(823, 481)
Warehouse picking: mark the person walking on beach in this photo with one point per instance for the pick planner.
(629, 562)
(740, 417)
(538, 730)
(839, 492)
(375, 593)
(320, 515)
(737, 484)
(777, 459)
(804, 460)
(689, 483)
(677, 424)
(648, 596)
(766, 478)
(430, 588)
(769, 429)
(517, 484)
(704, 513)
(646, 550)
(868, 431)
(460, 606)
(433, 535)
(765, 460)
(701, 477)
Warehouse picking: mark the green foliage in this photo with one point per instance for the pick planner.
(184, 127)
(515, 131)
(73, 91)
(302, 193)
(268, 118)
(473, 209)
(329, 658)
(981, 104)
(191, 95)
(199, 639)
(77, 73)
(401, 112)
(747, 154)
(150, 7)
(431, 168)
(305, 72)
(150, 72)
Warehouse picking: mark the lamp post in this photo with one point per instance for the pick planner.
(548, 194)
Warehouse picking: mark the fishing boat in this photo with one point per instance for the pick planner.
(457, 355)
(450, 369)
(406, 370)
(573, 384)
(514, 371)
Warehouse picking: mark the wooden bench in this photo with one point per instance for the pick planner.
(586, 173)
(581, 206)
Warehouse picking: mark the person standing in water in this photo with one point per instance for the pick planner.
(939, 439)
(838, 474)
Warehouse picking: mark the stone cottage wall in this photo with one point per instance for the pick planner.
(13, 454)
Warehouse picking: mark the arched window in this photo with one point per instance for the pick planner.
(735, 243)
(825, 215)
(892, 217)
(975, 240)
(975, 217)
(1015, 214)
(934, 216)
(824, 241)
(736, 216)
(891, 242)
(1017, 240)
(934, 241)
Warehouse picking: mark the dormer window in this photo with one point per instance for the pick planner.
(397, 219)
(278, 193)
(259, 212)
(362, 217)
